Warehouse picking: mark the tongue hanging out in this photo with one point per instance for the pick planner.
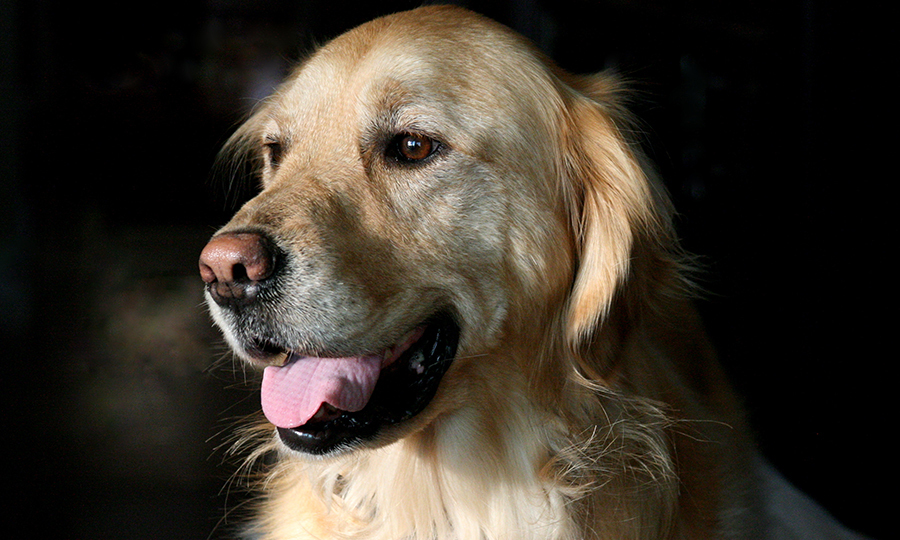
(293, 393)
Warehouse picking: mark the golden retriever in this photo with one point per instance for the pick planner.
(462, 283)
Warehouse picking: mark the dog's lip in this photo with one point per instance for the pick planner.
(388, 355)
(264, 351)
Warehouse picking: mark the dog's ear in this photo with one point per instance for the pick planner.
(614, 207)
(238, 166)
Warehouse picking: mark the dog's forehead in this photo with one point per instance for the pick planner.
(431, 59)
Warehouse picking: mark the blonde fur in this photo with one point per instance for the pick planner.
(584, 402)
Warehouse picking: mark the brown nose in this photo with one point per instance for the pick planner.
(233, 265)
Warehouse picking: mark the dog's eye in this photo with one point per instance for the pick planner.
(412, 147)
(275, 151)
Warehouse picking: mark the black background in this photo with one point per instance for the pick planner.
(117, 393)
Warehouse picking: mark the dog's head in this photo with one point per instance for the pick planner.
(439, 205)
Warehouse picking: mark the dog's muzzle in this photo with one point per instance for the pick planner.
(319, 404)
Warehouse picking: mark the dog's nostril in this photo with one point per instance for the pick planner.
(207, 273)
(232, 263)
(239, 273)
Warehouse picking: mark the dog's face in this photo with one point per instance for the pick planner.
(416, 216)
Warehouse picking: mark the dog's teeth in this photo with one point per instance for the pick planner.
(417, 361)
(326, 411)
(319, 414)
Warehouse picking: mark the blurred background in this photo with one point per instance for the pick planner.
(116, 390)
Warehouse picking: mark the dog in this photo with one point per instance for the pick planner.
(473, 318)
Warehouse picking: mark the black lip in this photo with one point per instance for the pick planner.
(403, 391)
(263, 348)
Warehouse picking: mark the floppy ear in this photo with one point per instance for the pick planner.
(238, 163)
(614, 207)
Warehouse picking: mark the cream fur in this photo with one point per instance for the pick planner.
(584, 402)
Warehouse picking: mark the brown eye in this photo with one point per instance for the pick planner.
(275, 151)
(414, 147)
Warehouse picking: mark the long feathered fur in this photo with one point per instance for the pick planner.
(603, 416)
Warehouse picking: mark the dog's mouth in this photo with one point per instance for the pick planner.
(321, 405)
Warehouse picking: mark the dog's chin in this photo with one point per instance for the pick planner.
(404, 389)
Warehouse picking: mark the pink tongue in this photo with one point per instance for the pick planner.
(292, 394)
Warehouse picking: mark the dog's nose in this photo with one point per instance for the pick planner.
(233, 265)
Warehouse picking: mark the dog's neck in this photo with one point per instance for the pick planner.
(472, 474)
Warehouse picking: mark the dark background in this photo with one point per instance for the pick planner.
(117, 393)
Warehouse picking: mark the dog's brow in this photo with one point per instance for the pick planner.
(395, 111)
